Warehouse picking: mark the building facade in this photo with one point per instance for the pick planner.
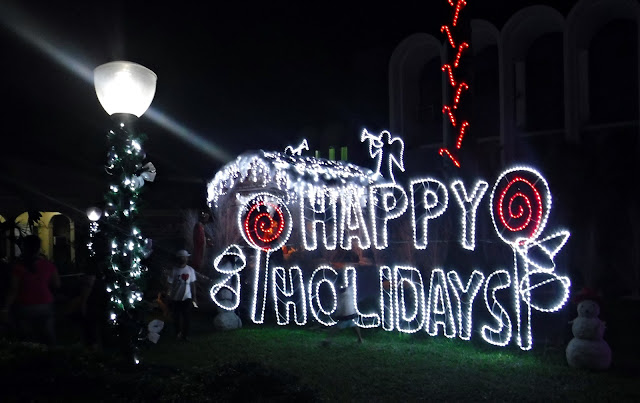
(559, 92)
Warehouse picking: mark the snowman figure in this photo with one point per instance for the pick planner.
(587, 349)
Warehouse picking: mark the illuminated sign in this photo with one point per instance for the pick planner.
(320, 206)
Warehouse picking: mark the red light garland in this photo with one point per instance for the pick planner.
(461, 3)
(461, 85)
(463, 126)
(453, 159)
(461, 48)
(446, 28)
(447, 67)
(447, 109)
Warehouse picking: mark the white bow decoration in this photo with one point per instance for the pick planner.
(154, 328)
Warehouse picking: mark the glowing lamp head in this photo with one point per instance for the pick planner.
(94, 214)
(124, 87)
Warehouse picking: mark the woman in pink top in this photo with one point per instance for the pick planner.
(31, 282)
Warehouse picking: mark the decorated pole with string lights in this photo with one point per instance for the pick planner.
(125, 90)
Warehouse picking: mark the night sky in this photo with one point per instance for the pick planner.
(238, 77)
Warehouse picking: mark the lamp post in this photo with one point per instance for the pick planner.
(125, 91)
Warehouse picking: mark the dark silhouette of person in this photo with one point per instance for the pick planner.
(32, 281)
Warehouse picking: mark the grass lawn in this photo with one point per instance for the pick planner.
(293, 364)
(391, 366)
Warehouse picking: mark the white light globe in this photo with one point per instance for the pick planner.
(94, 214)
(124, 87)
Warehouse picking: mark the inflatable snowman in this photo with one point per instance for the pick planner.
(587, 349)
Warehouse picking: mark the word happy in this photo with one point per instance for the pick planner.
(349, 215)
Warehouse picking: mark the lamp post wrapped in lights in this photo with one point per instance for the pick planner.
(125, 91)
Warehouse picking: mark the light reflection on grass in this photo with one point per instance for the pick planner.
(392, 366)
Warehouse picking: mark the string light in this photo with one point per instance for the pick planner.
(391, 200)
(449, 70)
(469, 206)
(461, 48)
(408, 277)
(364, 320)
(448, 153)
(464, 297)
(463, 128)
(445, 28)
(318, 206)
(459, 6)
(387, 287)
(456, 100)
(501, 335)
(230, 279)
(439, 310)
(350, 206)
(447, 109)
(380, 147)
(431, 196)
(461, 85)
(288, 292)
(323, 275)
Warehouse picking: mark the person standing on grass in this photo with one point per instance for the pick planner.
(345, 313)
(32, 279)
(182, 294)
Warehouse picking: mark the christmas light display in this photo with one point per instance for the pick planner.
(501, 335)
(408, 278)
(230, 263)
(266, 224)
(128, 248)
(464, 297)
(298, 150)
(318, 207)
(520, 207)
(288, 292)
(391, 201)
(382, 146)
(343, 206)
(323, 276)
(352, 224)
(439, 310)
(469, 206)
(364, 320)
(449, 69)
(431, 196)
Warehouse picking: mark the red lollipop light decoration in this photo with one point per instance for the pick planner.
(520, 206)
(265, 223)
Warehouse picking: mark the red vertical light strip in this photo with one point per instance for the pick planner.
(463, 126)
(447, 67)
(461, 85)
(446, 28)
(461, 3)
(452, 119)
(463, 46)
(453, 159)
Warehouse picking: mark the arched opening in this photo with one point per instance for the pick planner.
(428, 128)
(415, 90)
(5, 251)
(60, 228)
(613, 73)
(486, 94)
(544, 84)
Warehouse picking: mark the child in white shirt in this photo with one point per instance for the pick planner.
(182, 293)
